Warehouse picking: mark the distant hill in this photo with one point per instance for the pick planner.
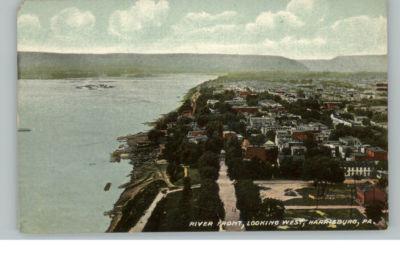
(52, 65)
(373, 63)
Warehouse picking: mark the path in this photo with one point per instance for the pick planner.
(277, 189)
(326, 207)
(228, 198)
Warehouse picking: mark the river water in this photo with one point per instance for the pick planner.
(63, 162)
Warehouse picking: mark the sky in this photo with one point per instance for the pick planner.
(298, 29)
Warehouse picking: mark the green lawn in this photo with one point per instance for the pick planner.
(194, 177)
(337, 195)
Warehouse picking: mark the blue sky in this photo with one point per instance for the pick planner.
(298, 29)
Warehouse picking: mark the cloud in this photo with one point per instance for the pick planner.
(72, 21)
(28, 22)
(204, 17)
(296, 6)
(205, 27)
(360, 34)
(143, 14)
(270, 20)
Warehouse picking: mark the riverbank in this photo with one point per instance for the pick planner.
(148, 178)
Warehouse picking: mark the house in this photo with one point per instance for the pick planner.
(303, 135)
(258, 122)
(266, 154)
(245, 144)
(229, 135)
(359, 120)
(270, 104)
(212, 102)
(376, 153)
(282, 137)
(195, 133)
(237, 101)
(298, 152)
(350, 141)
(330, 105)
(381, 174)
(197, 136)
(382, 87)
(336, 120)
(362, 169)
(371, 194)
(187, 114)
(198, 139)
(333, 146)
(245, 109)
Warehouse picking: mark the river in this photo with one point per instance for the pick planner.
(63, 162)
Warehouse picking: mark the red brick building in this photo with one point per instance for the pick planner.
(261, 153)
(303, 135)
(376, 153)
(330, 105)
(371, 194)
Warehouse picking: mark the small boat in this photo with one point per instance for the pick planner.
(107, 187)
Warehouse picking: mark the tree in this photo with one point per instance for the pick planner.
(154, 135)
(324, 171)
(189, 153)
(173, 169)
(208, 172)
(270, 135)
(257, 140)
(214, 128)
(374, 211)
(248, 200)
(383, 182)
(209, 159)
(214, 144)
(187, 188)
(273, 209)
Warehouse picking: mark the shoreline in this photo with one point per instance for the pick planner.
(147, 169)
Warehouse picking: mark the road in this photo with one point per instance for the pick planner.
(228, 198)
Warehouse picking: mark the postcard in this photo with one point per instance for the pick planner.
(198, 116)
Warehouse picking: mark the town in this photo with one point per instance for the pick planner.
(251, 147)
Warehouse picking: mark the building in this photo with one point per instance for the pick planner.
(266, 154)
(371, 194)
(350, 141)
(259, 122)
(212, 102)
(382, 87)
(359, 120)
(229, 135)
(245, 109)
(237, 101)
(303, 135)
(298, 152)
(330, 105)
(361, 169)
(376, 153)
(269, 104)
(336, 120)
(197, 136)
(282, 137)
